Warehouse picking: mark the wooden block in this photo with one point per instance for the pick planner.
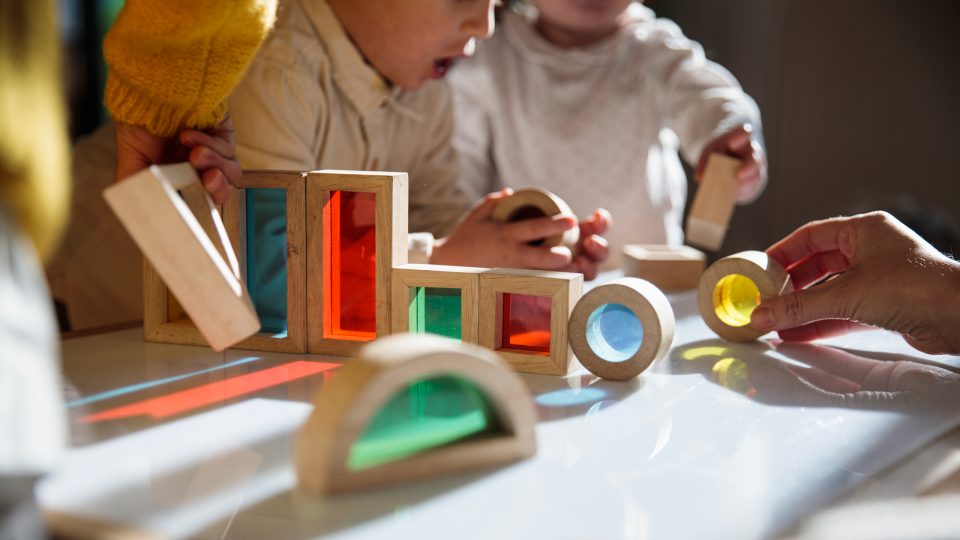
(294, 340)
(464, 279)
(346, 407)
(635, 314)
(670, 268)
(533, 203)
(356, 233)
(733, 286)
(515, 325)
(204, 278)
(713, 204)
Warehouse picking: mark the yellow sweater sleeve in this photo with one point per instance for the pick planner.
(174, 62)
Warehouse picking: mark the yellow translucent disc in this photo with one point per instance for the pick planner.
(734, 299)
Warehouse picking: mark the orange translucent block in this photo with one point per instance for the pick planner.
(526, 324)
(349, 266)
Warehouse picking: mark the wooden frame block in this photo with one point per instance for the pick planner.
(561, 288)
(651, 309)
(713, 204)
(185, 240)
(345, 408)
(390, 190)
(234, 217)
(670, 268)
(725, 299)
(466, 279)
(537, 201)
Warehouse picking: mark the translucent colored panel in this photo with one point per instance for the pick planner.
(349, 266)
(266, 216)
(526, 323)
(435, 311)
(614, 333)
(428, 414)
(734, 299)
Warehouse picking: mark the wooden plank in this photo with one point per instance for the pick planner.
(713, 204)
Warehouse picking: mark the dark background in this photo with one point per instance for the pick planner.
(859, 101)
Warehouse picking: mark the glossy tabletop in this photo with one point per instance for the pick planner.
(718, 440)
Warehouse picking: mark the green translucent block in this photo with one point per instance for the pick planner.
(435, 311)
(430, 413)
(266, 216)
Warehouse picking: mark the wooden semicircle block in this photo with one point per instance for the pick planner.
(411, 407)
(535, 202)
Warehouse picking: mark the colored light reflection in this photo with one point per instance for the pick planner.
(208, 394)
(525, 323)
(614, 332)
(735, 375)
(567, 397)
(427, 414)
(349, 266)
(734, 299)
(266, 216)
(436, 311)
(699, 352)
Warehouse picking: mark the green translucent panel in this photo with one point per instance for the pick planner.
(436, 311)
(428, 414)
(266, 216)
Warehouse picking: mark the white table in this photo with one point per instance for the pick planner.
(672, 454)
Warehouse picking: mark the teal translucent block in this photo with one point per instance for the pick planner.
(428, 414)
(436, 311)
(614, 333)
(266, 216)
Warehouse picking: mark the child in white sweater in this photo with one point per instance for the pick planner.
(593, 100)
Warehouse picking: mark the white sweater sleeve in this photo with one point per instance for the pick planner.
(701, 99)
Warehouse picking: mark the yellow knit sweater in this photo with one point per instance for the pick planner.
(174, 62)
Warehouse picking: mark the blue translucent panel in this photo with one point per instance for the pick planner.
(614, 332)
(266, 211)
(426, 414)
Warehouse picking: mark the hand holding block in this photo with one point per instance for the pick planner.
(713, 204)
(733, 286)
(533, 203)
(618, 329)
(670, 268)
(181, 245)
(409, 407)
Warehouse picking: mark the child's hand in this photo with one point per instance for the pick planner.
(480, 241)
(592, 247)
(210, 151)
(739, 143)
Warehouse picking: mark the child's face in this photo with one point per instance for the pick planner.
(412, 41)
(581, 15)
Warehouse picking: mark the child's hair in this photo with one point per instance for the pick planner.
(34, 176)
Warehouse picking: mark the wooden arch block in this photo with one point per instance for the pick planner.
(670, 268)
(524, 315)
(324, 450)
(412, 284)
(237, 222)
(356, 234)
(535, 202)
(631, 311)
(713, 204)
(183, 237)
(733, 286)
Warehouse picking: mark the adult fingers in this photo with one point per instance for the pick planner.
(817, 267)
(543, 258)
(223, 146)
(216, 184)
(817, 236)
(528, 230)
(822, 330)
(803, 307)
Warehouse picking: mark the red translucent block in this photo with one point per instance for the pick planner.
(349, 266)
(526, 324)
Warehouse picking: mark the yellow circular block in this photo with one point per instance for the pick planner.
(651, 310)
(535, 202)
(733, 286)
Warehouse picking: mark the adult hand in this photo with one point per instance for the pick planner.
(592, 248)
(480, 241)
(739, 143)
(889, 277)
(211, 151)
